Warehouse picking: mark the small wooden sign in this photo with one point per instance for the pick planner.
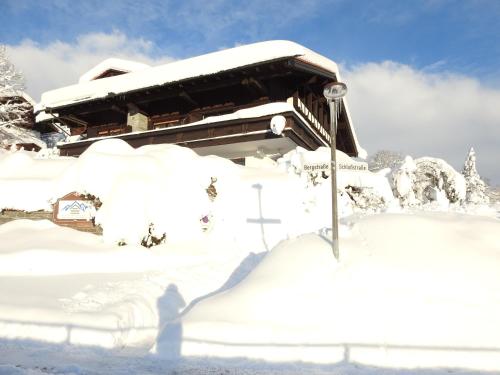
(346, 164)
(352, 166)
(316, 167)
(74, 210)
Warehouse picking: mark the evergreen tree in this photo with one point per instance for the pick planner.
(475, 186)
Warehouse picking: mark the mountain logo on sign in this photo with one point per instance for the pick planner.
(75, 206)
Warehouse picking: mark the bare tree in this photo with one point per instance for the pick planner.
(14, 109)
(385, 159)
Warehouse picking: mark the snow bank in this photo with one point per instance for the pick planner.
(415, 289)
(163, 185)
(28, 183)
(423, 293)
(72, 253)
(359, 189)
(67, 287)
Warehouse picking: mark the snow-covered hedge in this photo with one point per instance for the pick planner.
(359, 190)
(163, 193)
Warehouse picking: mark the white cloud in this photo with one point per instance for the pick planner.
(247, 19)
(399, 108)
(60, 64)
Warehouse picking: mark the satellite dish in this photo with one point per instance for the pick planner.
(334, 90)
(278, 124)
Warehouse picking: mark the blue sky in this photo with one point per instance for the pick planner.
(460, 36)
(431, 52)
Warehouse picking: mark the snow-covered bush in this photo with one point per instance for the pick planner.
(358, 190)
(493, 193)
(151, 239)
(434, 173)
(365, 199)
(475, 186)
(404, 179)
(428, 180)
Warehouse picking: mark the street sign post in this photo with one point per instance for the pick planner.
(334, 92)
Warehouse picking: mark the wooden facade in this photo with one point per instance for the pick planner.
(174, 112)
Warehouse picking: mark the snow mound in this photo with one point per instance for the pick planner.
(74, 252)
(424, 294)
(28, 183)
(359, 189)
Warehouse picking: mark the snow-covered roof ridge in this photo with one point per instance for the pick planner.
(115, 64)
(207, 64)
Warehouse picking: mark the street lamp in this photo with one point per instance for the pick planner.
(334, 92)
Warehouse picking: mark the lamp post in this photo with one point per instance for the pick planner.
(334, 92)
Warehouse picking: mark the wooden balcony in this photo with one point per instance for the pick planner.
(107, 130)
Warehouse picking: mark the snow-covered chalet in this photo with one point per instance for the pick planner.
(220, 103)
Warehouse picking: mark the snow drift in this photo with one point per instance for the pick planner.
(415, 289)
(423, 293)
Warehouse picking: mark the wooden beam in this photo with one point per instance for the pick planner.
(184, 95)
(312, 80)
(321, 114)
(115, 108)
(255, 84)
(309, 101)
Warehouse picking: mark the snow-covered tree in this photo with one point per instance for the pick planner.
(428, 180)
(475, 186)
(436, 180)
(385, 159)
(493, 193)
(13, 109)
(11, 80)
(403, 180)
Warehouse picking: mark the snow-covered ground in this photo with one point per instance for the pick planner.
(246, 281)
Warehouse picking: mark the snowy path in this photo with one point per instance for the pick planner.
(28, 358)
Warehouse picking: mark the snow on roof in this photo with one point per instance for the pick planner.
(11, 134)
(22, 94)
(125, 66)
(42, 116)
(203, 65)
(28, 98)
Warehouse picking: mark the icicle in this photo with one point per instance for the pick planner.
(337, 103)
